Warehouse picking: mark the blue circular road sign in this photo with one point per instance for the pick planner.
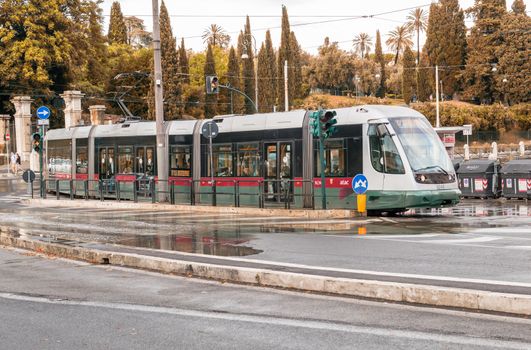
(43, 112)
(360, 184)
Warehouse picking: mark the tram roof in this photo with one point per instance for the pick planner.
(364, 113)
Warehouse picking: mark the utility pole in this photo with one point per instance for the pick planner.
(286, 102)
(159, 107)
(438, 121)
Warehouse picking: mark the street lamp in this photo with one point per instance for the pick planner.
(255, 60)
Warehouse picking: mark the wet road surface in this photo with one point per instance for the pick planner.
(482, 240)
(106, 307)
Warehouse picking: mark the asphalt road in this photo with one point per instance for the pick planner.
(483, 241)
(56, 304)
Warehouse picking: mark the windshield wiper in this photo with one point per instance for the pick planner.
(433, 167)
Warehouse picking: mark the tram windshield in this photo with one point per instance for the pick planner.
(424, 150)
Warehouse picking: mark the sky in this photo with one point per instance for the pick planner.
(189, 19)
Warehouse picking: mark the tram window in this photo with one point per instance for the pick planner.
(139, 161)
(248, 160)
(81, 160)
(102, 162)
(180, 161)
(125, 160)
(222, 159)
(110, 162)
(384, 154)
(59, 157)
(335, 158)
(150, 164)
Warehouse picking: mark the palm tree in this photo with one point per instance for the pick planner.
(399, 39)
(362, 43)
(215, 35)
(418, 21)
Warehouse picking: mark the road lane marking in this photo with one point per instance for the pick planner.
(466, 240)
(284, 322)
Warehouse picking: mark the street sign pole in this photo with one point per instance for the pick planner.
(41, 181)
(323, 163)
(211, 157)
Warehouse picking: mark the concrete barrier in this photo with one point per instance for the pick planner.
(397, 292)
(297, 213)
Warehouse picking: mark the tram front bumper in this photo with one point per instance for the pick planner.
(380, 200)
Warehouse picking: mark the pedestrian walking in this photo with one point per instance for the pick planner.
(17, 163)
(12, 162)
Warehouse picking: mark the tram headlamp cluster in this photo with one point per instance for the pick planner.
(435, 178)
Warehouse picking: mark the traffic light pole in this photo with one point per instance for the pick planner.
(230, 88)
(323, 165)
(41, 182)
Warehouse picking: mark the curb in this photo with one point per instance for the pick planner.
(515, 304)
(297, 213)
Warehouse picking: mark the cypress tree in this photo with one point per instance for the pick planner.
(184, 66)
(380, 59)
(170, 66)
(248, 68)
(294, 68)
(446, 42)
(483, 42)
(97, 66)
(117, 30)
(283, 55)
(514, 65)
(211, 100)
(408, 75)
(425, 82)
(233, 79)
(267, 76)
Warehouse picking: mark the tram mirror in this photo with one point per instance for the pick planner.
(381, 130)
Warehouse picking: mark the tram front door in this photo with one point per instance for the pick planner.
(278, 170)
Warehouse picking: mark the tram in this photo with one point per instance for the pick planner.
(394, 147)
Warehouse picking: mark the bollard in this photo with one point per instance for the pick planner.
(118, 191)
(236, 194)
(101, 189)
(57, 193)
(261, 202)
(192, 193)
(71, 184)
(214, 195)
(362, 203)
(172, 192)
(152, 191)
(135, 190)
(85, 189)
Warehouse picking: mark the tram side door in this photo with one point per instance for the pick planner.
(278, 167)
(106, 163)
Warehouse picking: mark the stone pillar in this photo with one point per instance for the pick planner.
(23, 125)
(97, 114)
(72, 107)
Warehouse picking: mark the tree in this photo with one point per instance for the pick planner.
(137, 35)
(232, 79)
(117, 30)
(267, 76)
(380, 59)
(362, 43)
(332, 69)
(424, 78)
(248, 67)
(484, 39)
(215, 35)
(211, 100)
(418, 21)
(446, 43)
(295, 68)
(170, 69)
(399, 39)
(283, 55)
(514, 66)
(408, 76)
(518, 7)
(183, 64)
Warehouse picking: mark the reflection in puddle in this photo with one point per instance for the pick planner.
(194, 243)
(478, 208)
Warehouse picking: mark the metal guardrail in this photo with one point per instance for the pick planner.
(270, 193)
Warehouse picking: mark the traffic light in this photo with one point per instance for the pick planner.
(36, 142)
(327, 121)
(314, 123)
(212, 84)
